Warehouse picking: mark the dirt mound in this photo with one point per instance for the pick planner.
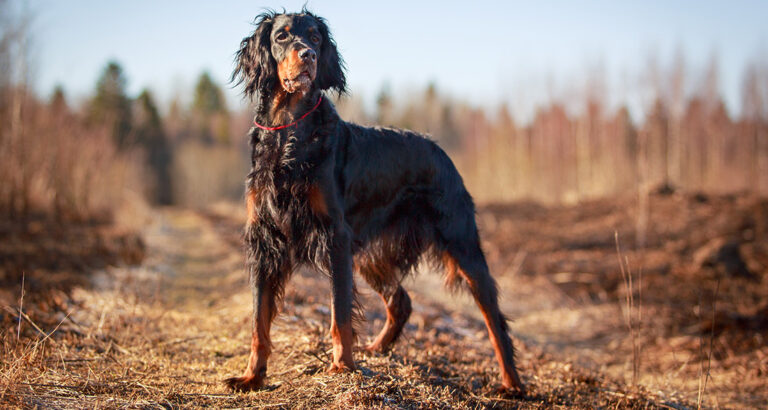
(53, 257)
(38, 243)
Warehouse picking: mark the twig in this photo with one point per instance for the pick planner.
(21, 306)
(701, 364)
(58, 386)
(640, 314)
(179, 340)
(702, 373)
(84, 359)
(266, 406)
(27, 318)
(491, 399)
(294, 368)
(207, 394)
(54, 329)
(632, 318)
(712, 333)
(316, 356)
(517, 263)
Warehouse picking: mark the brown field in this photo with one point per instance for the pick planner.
(164, 333)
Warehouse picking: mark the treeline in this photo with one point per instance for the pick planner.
(75, 162)
(78, 160)
(53, 159)
(685, 139)
(187, 152)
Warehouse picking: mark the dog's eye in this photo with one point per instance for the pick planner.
(280, 36)
(315, 38)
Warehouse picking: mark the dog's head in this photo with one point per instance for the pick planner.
(292, 51)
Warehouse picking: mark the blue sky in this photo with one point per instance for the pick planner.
(482, 51)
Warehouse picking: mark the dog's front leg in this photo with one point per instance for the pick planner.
(343, 290)
(263, 312)
(268, 272)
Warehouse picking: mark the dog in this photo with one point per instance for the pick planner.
(340, 197)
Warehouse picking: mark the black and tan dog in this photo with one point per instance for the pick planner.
(340, 197)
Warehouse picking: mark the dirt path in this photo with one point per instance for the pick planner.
(165, 334)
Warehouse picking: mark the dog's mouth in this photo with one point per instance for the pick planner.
(300, 82)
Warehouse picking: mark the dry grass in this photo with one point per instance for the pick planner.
(692, 242)
(166, 334)
(52, 162)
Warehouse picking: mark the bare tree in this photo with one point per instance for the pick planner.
(676, 106)
(14, 64)
(754, 109)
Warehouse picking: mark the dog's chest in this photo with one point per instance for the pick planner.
(284, 182)
(288, 156)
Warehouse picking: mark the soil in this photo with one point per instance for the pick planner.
(166, 332)
(698, 265)
(53, 256)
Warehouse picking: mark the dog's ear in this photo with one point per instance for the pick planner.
(330, 67)
(254, 65)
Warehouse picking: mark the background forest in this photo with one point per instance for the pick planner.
(75, 157)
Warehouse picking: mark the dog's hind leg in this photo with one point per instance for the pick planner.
(343, 295)
(463, 257)
(398, 306)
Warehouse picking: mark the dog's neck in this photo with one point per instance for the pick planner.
(282, 107)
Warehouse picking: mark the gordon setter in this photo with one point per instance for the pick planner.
(340, 198)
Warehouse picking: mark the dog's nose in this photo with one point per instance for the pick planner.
(307, 55)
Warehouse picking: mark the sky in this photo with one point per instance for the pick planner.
(484, 52)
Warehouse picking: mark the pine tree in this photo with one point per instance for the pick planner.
(58, 101)
(210, 111)
(110, 106)
(384, 107)
(151, 136)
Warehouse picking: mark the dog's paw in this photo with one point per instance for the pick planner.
(244, 383)
(340, 367)
(374, 349)
(517, 392)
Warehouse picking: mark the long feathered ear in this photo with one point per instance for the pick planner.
(254, 65)
(330, 67)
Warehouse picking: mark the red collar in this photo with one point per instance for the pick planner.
(319, 100)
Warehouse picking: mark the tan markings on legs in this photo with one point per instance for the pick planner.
(261, 343)
(451, 271)
(261, 347)
(342, 337)
(488, 304)
(398, 310)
